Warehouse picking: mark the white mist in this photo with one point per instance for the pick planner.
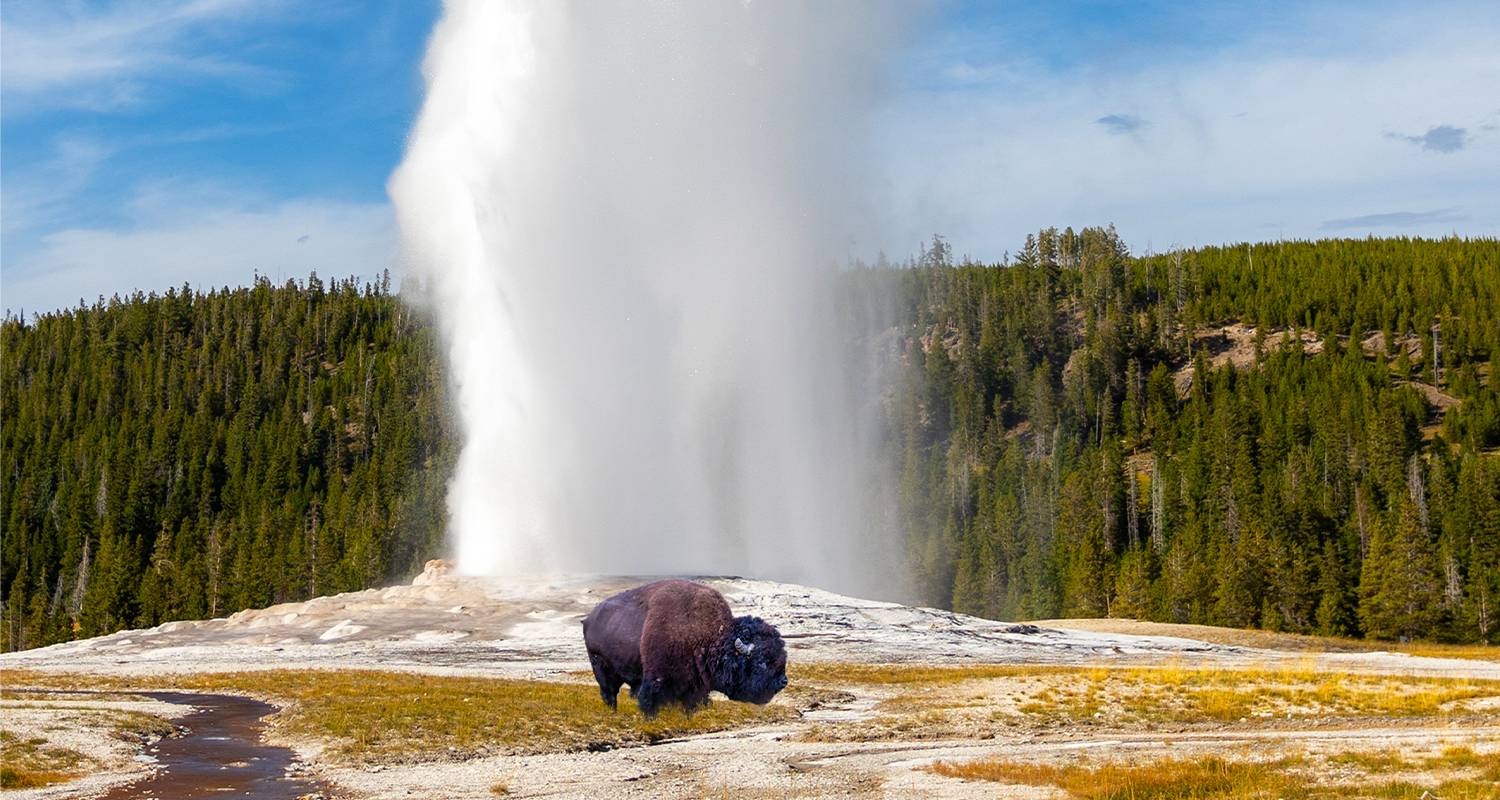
(626, 218)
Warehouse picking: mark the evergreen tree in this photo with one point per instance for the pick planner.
(1229, 435)
(163, 454)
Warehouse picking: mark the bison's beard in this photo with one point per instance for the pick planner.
(756, 674)
(759, 689)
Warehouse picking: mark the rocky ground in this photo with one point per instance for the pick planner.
(858, 739)
(530, 627)
(103, 736)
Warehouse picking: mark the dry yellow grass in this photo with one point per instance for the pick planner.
(365, 717)
(1169, 779)
(985, 700)
(30, 763)
(1383, 761)
(1185, 695)
(395, 716)
(1372, 762)
(1476, 652)
(1462, 757)
(825, 673)
(1219, 778)
(1172, 693)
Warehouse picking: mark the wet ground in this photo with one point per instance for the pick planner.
(221, 755)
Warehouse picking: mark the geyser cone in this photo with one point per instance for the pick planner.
(627, 220)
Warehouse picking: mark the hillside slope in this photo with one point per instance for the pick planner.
(186, 455)
(1298, 436)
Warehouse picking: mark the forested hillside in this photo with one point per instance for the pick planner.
(187, 455)
(1299, 436)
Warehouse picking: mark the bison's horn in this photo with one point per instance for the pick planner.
(743, 648)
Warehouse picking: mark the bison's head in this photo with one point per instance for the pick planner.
(752, 668)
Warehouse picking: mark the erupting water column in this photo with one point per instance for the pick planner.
(626, 218)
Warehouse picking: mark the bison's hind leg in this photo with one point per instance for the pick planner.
(609, 681)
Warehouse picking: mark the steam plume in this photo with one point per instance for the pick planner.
(626, 218)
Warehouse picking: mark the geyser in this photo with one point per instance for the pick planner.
(627, 219)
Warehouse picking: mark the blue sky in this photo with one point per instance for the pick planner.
(147, 144)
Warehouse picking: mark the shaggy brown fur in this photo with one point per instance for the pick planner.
(674, 641)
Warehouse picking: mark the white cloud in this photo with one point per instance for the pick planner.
(68, 233)
(1247, 142)
(62, 55)
(206, 238)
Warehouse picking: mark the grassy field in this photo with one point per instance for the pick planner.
(991, 700)
(1464, 776)
(380, 715)
(373, 716)
(370, 717)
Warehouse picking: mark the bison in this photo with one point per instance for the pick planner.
(674, 641)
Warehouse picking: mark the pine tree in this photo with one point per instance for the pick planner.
(1399, 586)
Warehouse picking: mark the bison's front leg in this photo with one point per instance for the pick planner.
(697, 700)
(650, 695)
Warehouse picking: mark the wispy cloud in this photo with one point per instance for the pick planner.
(1395, 219)
(42, 193)
(38, 193)
(1440, 138)
(1256, 129)
(1121, 124)
(205, 236)
(99, 58)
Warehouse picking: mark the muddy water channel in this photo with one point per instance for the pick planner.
(221, 755)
